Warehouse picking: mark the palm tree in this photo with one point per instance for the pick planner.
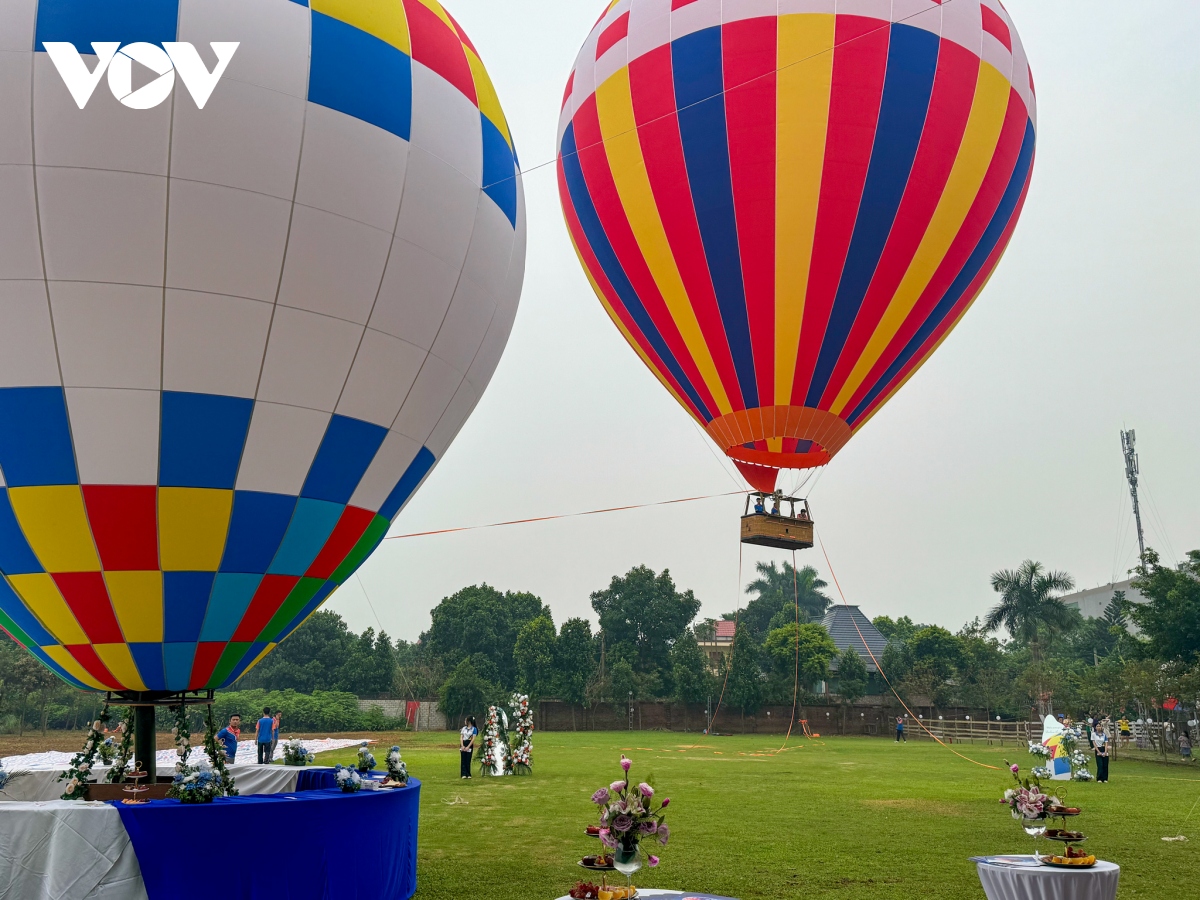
(778, 590)
(1030, 607)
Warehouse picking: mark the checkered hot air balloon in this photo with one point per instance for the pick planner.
(786, 205)
(236, 331)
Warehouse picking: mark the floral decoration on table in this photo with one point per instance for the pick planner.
(366, 761)
(628, 815)
(80, 770)
(216, 754)
(396, 768)
(295, 754)
(493, 749)
(1059, 748)
(196, 784)
(1027, 800)
(122, 757)
(347, 779)
(106, 750)
(522, 755)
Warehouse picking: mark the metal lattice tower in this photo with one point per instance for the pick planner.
(1131, 474)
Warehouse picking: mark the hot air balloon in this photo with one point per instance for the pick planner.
(238, 329)
(786, 205)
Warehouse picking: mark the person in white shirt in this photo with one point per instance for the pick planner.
(467, 747)
(1100, 743)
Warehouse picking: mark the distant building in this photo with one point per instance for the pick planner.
(1094, 601)
(850, 628)
(720, 646)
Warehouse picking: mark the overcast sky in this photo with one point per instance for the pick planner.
(1003, 447)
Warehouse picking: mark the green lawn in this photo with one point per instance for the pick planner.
(835, 817)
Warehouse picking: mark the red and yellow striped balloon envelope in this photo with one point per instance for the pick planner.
(786, 205)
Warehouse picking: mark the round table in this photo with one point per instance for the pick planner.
(1001, 882)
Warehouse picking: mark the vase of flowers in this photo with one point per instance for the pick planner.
(295, 754)
(1028, 803)
(347, 779)
(396, 767)
(366, 762)
(630, 816)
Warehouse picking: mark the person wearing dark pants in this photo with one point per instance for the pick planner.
(900, 736)
(264, 736)
(467, 748)
(1100, 742)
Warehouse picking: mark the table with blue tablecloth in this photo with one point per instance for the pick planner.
(319, 843)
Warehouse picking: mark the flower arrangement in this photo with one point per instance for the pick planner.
(1027, 800)
(216, 755)
(493, 748)
(347, 779)
(1040, 750)
(80, 770)
(522, 755)
(396, 767)
(366, 762)
(106, 750)
(294, 753)
(628, 815)
(121, 759)
(195, 784)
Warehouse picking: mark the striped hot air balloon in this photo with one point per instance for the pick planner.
(786, 205)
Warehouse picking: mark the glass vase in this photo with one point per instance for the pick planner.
(627, 861)
(1035, 828)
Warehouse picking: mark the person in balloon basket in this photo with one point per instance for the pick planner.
(265, 736)
(228, 736)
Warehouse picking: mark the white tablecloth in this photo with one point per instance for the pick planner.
(1045, 883)
(67, 850)
(43, 784)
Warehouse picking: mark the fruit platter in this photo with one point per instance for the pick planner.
(585, 890)
(601, 863)
(1072, 858)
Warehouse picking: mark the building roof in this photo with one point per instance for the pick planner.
(840, 622)
(726, 630)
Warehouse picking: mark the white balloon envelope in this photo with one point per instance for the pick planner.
(258, 261)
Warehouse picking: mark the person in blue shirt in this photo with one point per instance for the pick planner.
(265, 736)
(228, 736)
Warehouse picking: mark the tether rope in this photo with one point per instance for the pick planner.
(590, 512)
(732, 647)
(796, 683)
(883, 674)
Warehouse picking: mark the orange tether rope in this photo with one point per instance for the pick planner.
(882, 674)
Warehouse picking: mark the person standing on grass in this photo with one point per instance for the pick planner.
(1100, 742)
(467, 748)
(900, 736)
(264, 732)
(1185, 746)
(228, 736)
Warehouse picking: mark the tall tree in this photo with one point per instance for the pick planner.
(575, 663)
(312, 658)
(534, 656)
(465, 692)
(1171, 620)
(480, 622)
(642, 614)
(690, 676)
(852, 678)
(744, 685)
(1030, 607)
(808, 648)
(778, 591)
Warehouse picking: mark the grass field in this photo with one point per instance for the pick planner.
(836, 817)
